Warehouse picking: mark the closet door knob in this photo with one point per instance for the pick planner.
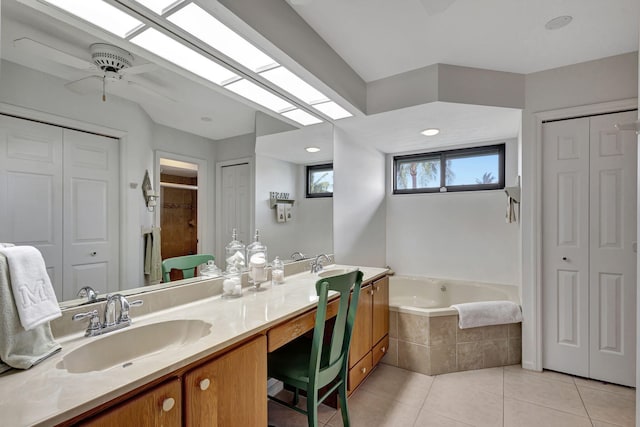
(204, 384)
(93, 253)
(168, 404)
(564, 258)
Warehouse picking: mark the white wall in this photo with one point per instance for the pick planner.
(359, 213)
(41, 92)
(460, 236)
(603, 80)
(311, 229)
(638, 270)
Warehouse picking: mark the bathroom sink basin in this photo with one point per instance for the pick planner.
(335, 272)
(125, 346)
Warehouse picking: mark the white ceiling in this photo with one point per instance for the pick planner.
(290, 146)
(380, 38)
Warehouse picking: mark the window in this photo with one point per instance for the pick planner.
(478, 168)
(320, 180)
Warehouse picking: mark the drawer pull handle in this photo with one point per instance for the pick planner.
(363, 370)
(383, 349)
(168, 404)
(204, 384)
(370, 291)
(377, 288)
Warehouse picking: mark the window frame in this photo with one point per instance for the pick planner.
(445, 155)
(314, 168)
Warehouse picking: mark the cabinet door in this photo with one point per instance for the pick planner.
(380, 321)
(361, 339)
(161, 406)
(231, 390)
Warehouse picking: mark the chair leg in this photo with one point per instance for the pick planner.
(296, 396)
(342, 396)
(312, 408)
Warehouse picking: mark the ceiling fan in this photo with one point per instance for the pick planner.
(111, 68)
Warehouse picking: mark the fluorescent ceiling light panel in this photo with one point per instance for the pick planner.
(201, 24)
(332, 110)
(302, 117)
(158, 6)
(293, 84)
(101, 14)
(260, 96)
(164, 46)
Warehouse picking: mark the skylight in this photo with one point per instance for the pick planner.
(166, 47)
(101, 14)
(199, 23)
(260, 96)
(293, 84)
(332, 110)
(302, 117)
(159, 6)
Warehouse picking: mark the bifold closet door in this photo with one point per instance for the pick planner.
(588, 263)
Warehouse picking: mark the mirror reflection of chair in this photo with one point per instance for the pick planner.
(311, 364)
(187, 264)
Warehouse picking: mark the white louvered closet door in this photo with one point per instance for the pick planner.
(588, 229)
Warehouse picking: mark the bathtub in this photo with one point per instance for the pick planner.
(423, 330)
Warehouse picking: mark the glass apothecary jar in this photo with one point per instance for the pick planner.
(277, 271)
(235, 254)
(232, 284)
(257, 258)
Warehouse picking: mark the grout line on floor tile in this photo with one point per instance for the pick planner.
(424, 402)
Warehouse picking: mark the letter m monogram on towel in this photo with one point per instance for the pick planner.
(33, 297)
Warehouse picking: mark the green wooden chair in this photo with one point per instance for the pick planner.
(311, 364)
(187, 264)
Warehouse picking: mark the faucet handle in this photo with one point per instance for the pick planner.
(124, 309)
(94, 322)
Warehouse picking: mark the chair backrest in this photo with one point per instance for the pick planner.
(187, 264)
(326, 363)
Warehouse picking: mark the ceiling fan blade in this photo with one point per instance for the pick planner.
(43, 51)
(86, 85)
(149, 91)
(138, 69)
(433, 7)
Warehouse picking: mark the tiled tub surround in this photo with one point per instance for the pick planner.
(423, 331)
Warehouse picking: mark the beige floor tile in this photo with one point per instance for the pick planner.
(464, 403)
(428, 418)
(370, 410)
(599, 385)
(614, 408)
(548, 375)
(410, 388)
(597, 423)
(281, 416)
(489, 380)
(543, 391)
(523, 414)
(324, 412)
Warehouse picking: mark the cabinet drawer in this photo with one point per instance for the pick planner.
(292, 329)
(380, 349)
(359, 372)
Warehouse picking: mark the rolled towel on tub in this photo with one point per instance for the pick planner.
(486, 313)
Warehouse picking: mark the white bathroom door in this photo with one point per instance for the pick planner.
(565, 246)
(236, 202)
(612, 275)
(588, 263)
(91, 206)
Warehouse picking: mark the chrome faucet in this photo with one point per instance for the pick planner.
(110, 321)
(89, 293)
(297, 256)
(316, 266)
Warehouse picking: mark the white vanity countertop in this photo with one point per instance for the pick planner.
(48, 395)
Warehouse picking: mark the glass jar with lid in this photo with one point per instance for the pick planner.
(277, 271)
(257, 262)
(235, 254)
(232, 284)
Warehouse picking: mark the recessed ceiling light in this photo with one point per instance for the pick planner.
(430, 132)
(166, 47)
(559, 22)
(312, 149)
(101, 14)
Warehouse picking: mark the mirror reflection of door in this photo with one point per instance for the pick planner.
(178, 210)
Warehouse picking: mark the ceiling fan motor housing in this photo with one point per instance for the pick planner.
(110, 58)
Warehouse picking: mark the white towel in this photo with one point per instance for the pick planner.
(34, 296)
(486, 313)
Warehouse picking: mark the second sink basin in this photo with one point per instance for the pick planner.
(120, 348)
(335, 272)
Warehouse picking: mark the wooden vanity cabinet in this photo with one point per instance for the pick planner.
(370, 339)
(230, 390)
(160, 406)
